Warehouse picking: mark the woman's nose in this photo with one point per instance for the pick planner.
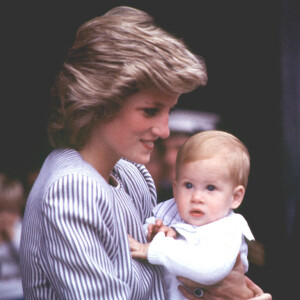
(161, 128)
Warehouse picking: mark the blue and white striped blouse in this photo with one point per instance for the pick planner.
(74, 236)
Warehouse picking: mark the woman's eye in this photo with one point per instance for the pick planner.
(211, 187)
(150, 112)
(188, 185)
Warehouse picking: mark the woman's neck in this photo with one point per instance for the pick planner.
(102, 161)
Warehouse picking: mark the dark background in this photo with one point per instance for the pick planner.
(242, 43)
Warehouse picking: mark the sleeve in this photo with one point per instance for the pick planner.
(149, 182)
(207, 263)
(79, 240)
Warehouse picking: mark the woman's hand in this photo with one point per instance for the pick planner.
(259, 294)
(234, 286)
(138, 250)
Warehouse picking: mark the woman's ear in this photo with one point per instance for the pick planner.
(238, 196)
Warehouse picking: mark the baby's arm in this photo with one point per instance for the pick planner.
(206, 263)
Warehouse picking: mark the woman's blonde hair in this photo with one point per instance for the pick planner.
(208, 144)
(114, 56)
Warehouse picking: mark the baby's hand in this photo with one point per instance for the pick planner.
(153, 229)
(137, 249)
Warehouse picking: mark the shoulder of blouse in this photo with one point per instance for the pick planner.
(137, 174)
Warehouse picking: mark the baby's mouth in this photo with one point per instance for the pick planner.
(196, 213)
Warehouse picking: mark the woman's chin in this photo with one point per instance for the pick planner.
(142, 159)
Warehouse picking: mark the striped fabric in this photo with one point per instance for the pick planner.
(74, 237)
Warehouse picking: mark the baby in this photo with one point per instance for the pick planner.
(212, 170)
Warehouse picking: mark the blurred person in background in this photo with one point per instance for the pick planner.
(12, 202)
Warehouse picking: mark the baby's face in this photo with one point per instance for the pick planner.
(203, 191)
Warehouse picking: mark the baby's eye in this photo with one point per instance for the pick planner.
(188, 185)
(150, 112)
(211, 187)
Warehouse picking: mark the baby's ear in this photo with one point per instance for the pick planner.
(174, 188)
(238, 196)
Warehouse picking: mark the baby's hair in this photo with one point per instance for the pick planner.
(208, 144)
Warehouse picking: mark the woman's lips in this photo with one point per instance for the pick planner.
(148, 144)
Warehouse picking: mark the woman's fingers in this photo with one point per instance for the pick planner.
(262, 297)
(252, 286)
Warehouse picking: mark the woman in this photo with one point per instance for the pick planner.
(118, 83)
